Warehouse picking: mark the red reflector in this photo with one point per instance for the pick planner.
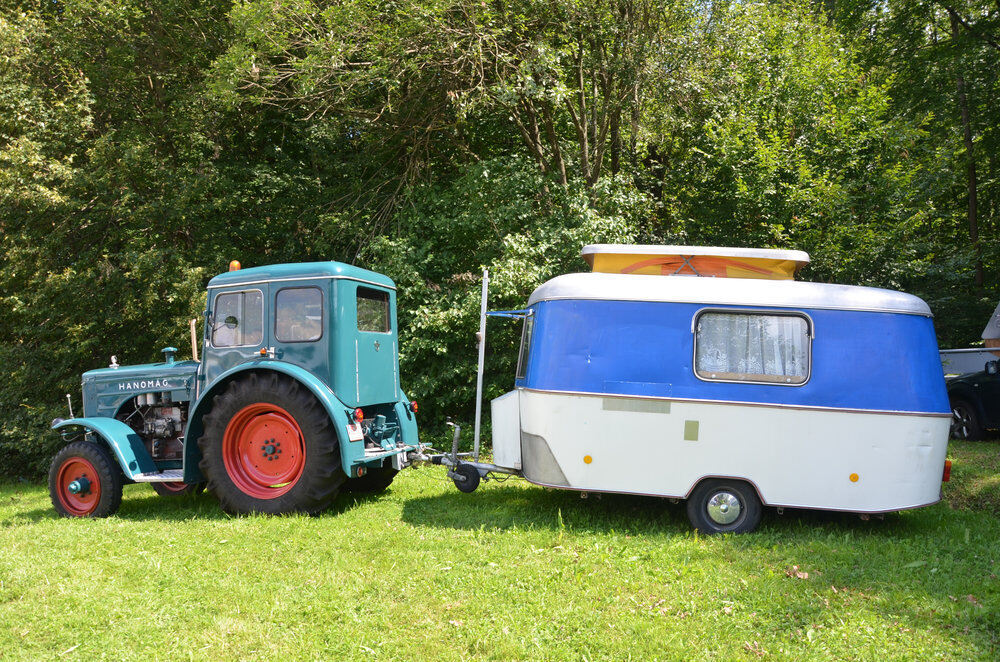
(359, 415)
(413, 406)
(947, 471)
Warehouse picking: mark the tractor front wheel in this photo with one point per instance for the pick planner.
(84, 481)
(269, 447)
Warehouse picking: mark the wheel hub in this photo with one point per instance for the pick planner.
(724, 508)
(78, 486)
(263, 450)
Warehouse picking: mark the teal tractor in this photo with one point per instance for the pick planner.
(297, 396)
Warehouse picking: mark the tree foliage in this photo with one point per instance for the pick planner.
(145, 143)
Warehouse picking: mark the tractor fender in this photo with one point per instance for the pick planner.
(350, 452)
(407, 421)
(127, 445)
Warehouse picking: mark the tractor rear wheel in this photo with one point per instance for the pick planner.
(376, 480)
(85, 481)
(178, 488)
(268, 447)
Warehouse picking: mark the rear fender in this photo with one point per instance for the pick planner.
(351, 452)
(128, 447)
(407, 422)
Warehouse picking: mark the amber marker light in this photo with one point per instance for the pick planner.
(234, 265)
(946, 476)
(854, 478)
(263, 351)
(587, 459)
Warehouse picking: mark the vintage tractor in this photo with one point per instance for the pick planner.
(296, 397)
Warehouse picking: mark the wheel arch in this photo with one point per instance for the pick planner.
(335, 409)
(742, 479)
(124, 443)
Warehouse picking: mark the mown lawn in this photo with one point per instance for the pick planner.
(510, 572)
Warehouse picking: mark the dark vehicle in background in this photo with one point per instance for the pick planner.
(975, 402)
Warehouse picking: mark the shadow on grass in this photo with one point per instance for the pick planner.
(138, 505)
(508, 507)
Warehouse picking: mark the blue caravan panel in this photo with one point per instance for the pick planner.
(873, 361)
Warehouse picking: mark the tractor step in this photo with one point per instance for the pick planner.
(166, 476)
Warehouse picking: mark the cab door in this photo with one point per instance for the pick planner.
(377, 367)
(235, 330)
(302, 325)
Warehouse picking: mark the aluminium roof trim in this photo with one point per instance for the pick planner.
(728, 292)
(299, 278)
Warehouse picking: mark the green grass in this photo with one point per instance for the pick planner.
(510, 572)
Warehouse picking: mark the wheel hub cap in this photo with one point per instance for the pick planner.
(724, 508)
(79, 486)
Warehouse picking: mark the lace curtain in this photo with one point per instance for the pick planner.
(752, 347)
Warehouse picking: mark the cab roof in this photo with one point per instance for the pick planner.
(300, 271)
(728, 292)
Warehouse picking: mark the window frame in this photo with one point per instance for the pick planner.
(810, 336)
(322, 314)
(529, 333)
(212, 328)
(388, 309)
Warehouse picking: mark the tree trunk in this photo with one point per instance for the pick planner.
(970, 156)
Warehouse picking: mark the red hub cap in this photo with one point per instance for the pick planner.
(78, 486)
(263, 450)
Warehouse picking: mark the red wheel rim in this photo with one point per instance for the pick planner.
(174, 486)
(263, 450)
(81, 472)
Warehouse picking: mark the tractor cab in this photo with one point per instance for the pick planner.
(334, 320)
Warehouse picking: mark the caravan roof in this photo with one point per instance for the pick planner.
(728, 292)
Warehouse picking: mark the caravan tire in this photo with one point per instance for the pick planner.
(268, 447)
(724, 506)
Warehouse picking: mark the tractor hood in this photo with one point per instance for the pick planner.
(106, 389)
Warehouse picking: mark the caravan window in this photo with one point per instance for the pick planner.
(734, 346)
(522, 359)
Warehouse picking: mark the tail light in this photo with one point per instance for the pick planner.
(359, 415)
(946, 476)
(413, 406)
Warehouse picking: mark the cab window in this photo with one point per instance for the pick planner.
(373, 310)
(238, 319)
(298, 314)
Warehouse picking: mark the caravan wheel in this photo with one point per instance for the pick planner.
(724, 506)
